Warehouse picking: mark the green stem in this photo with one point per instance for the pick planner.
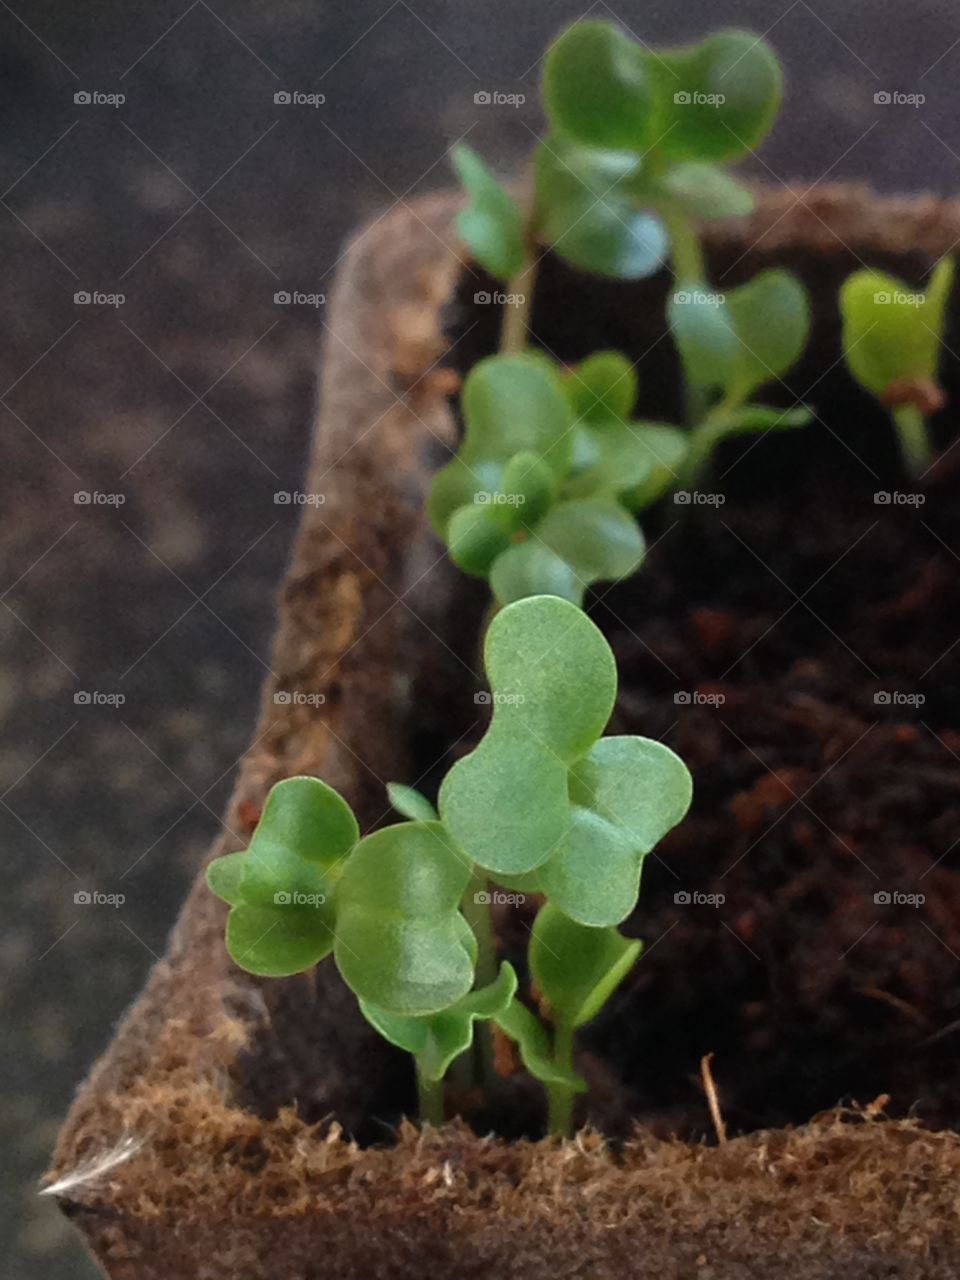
(516, 318)
(914, 441)
(689, 269)
(559, 1096)
(431, 1098)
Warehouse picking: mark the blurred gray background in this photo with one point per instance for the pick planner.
(186, 405)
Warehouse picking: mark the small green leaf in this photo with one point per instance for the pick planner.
(410, 803)
(528, 488)
(451, 1033)
(890, 331)
(522, 1026)
(704, 335)
(492, 225)
(638, 784)
(606, 234)
(456, 485)
(552, 673)
(304, 834)
(598, 539)
(594, 872)
(505, 803)
(596, 87)
(577, 969)
(399, 942)
(279, 940)
(513, 404)
(407, 1033)
(771, 318)
(669, 449)
(531, 569)
(475, 538)
(715, 100)
(602, 387)
(224, 876)
(703, 191)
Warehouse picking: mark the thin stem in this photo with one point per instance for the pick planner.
(559, 1096)
(689, 269)
(914, 441)
(430, 1093)
(516, 316)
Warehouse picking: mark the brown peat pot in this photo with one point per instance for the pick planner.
(792, 635)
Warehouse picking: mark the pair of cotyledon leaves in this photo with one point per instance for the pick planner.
(543, 800)
(539, 496)
(632, 130)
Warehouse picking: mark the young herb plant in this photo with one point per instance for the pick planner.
(891, 342)
(543, 801)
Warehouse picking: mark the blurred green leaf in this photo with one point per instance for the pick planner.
(771, 318)
(598, 539)
(702, 330)
(531, 569)
(602, 387)
(596, 87)
(475, 537)
(278, 940)
(224, 875)
(702, 191)
(491, 225)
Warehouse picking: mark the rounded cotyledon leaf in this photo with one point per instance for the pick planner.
(552, 673)
(577, 969)
(596, 87)
(399, 934)
(770, 315)
(598, 539)
(602, 387)
(492, 225)
(704, 334)
(506, 803)
(475, 537)
(714, 100)
(304, 835)
(636, 784)
(593, 874)
(531, 569)
(457, 484)
(514, 403)
(281, 939)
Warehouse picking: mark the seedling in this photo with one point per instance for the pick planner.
(543, 800)
(891, 341)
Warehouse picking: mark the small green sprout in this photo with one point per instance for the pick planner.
(539, 496)
(730, 345)
(891, 341)
(543, 796)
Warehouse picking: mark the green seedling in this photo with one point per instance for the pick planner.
(539, 496)
(891, 342)
(731, 345)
